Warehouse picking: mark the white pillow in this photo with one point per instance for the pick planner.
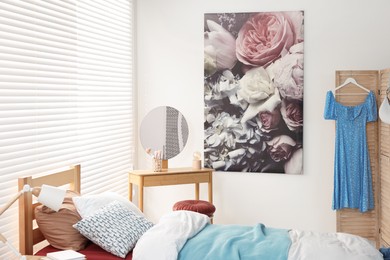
(115, 228)
(87, 205)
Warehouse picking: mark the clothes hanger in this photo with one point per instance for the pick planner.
(352, 81)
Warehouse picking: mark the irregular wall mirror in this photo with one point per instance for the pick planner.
(165, 129)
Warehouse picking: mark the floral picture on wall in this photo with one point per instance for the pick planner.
(253, 91)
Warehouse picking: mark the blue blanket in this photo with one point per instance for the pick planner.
(230, 242)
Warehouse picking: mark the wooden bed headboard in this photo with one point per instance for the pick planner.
(28, 234)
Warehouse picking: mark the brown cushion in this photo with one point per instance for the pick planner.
(57, 226)
(199, 206)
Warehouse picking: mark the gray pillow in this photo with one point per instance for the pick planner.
(114, 228)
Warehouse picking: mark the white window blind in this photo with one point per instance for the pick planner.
(66, 95)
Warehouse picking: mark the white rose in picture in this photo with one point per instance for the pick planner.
(257, 90)
(256, 85)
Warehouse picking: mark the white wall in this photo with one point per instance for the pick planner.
(339, 35)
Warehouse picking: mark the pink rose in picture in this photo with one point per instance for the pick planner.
(294, 164)
(265, 37)
(281, 148)
(284, 149)
(269, 120)
(292, 112)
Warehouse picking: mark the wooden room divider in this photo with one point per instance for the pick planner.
(384, 165)
(374, 224)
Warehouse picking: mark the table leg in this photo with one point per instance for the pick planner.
(197, 191)
(210, 188)
(141, 194)
(211, 192)
(130, 191)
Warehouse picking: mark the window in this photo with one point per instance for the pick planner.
(66, 95)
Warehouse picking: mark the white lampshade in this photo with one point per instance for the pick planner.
(51, 197)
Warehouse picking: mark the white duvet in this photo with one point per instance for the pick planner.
(165, 240)
(306, 245)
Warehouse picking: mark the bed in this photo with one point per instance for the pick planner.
(189, 235)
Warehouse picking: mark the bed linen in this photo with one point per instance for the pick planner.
(164, 240)
(237, 242)
(186, 235)
(307, 245)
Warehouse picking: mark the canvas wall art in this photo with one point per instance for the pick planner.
(253, 91)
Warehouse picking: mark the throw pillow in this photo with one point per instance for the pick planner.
(57, 227)
(114, 228)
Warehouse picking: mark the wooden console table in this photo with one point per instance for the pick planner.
(172, 176)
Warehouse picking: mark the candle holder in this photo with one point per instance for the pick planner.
(196, 161)
(165, 164)
(197, 164)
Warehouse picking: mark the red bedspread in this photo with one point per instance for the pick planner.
(92, 252)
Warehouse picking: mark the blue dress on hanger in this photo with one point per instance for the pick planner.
(352, 170)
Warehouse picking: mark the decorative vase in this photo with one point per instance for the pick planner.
(157, 165)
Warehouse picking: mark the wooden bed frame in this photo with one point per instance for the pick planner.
(29, 235)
